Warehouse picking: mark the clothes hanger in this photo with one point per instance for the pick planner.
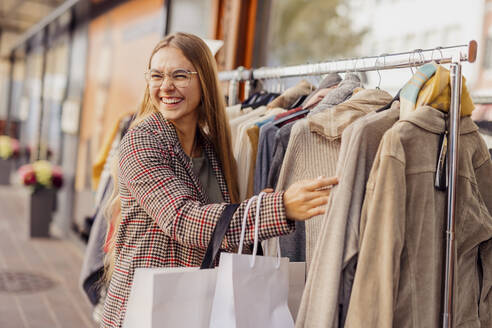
(354, 71)
(273, 93)
(396, 97)
(377, 64)
(259, 98)
(411, 60)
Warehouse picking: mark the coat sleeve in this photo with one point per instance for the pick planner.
(484, 181)
(382, 229)
(145, 169)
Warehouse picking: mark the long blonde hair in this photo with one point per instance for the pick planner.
(212, 122)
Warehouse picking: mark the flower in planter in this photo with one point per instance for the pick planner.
(27, 175)
(57, 177)
(5, 147)
(41, 174)
(9, 147)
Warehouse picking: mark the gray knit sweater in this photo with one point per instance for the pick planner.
(314, 147)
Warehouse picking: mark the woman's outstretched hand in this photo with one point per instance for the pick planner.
(307, 198)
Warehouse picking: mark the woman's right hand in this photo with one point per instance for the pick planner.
(307, 198)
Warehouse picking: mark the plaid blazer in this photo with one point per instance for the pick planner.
(167, 220)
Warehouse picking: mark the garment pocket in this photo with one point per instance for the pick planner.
(475, 222)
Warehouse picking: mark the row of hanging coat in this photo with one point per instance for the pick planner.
(92, 269)
(376, 257)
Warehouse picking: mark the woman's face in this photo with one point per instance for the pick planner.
(179, 101)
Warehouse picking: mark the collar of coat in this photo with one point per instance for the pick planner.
(158, 124)
(332, 122)
(434, 120)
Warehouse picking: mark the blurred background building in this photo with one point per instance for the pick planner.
(70, 69)
(402, 25)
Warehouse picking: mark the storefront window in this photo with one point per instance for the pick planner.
(309, 31)
(191, 16)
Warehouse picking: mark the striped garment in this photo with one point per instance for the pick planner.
(165, 219)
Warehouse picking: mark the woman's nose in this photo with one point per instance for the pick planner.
(167, 83)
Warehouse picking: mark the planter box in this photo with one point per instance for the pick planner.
(40, 213)
(5, 168)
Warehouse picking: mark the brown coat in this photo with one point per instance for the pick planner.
(398, 282)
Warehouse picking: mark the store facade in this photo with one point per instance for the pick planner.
(70, 80)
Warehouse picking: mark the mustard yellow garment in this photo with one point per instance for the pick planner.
(430, 85)
(103, 153)
(436, 93)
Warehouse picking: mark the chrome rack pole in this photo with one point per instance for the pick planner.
(417, 57)
(233, 92)
(235, 78)
(453, 151)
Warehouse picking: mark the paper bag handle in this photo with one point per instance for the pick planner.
(218, 235)
(257, 223)
(243, 226)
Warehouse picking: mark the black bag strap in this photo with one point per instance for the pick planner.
(218, 235)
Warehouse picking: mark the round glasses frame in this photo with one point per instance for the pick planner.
(180, 78)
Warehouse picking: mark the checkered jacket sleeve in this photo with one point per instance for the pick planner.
(165, 192)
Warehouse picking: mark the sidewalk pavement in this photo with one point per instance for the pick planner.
(38, 277)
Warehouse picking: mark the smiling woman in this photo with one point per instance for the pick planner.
(177, 96)
(176, 174)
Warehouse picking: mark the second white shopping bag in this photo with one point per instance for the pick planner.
(251, 291)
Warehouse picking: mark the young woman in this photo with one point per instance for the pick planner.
(177, 172)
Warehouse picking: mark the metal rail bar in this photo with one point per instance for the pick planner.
(453, 151)
(417, 57)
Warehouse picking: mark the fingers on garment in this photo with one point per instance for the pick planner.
(318, 201)
(315, 211)
(321, 183)
(324, 193)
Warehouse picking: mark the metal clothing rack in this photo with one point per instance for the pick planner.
(453, 55)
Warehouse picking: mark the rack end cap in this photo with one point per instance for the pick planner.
(472, 51)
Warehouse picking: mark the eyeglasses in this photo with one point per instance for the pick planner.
(180, 78)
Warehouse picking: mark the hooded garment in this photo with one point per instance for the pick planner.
(329, 81)
(291, 95)
(315, 143)
(336, 96)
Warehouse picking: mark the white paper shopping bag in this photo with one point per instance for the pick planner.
(297, 281)
(171, 297)
(177, 297)
(251, 291)
(297, 277)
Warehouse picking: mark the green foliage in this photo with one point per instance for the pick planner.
(311, 31)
